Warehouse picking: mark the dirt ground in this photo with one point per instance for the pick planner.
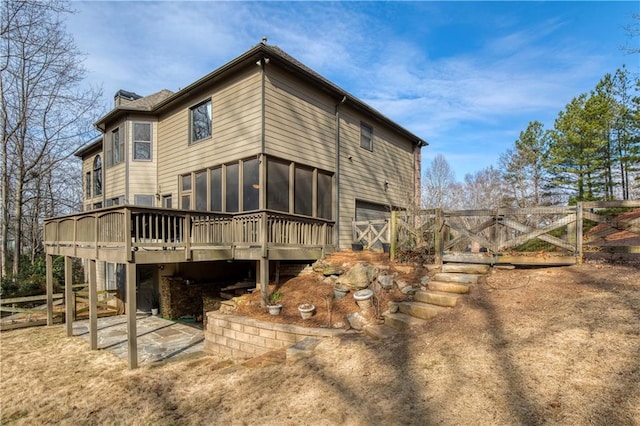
(530, 346)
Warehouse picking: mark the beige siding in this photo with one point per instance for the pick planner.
(236, 110)
(363, 176)
(299, 121)
(114, 176)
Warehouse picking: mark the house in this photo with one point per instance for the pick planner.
(259, 162)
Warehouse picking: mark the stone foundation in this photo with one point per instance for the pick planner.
(241, 337)
(177, 298)
(294, 269)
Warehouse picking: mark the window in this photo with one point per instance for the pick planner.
(201, 121)
(278, 185)
(142, 141)
(167, 201)
(143, 200)
(97, 176)
(115, 201)
(324, 195)
(201, 191)
(250, 185)
(114, 152)
(366, 136)
(215, 189)
(87, 185)
(303, 191)
(233, 180)
(97, 206)
(185, 199)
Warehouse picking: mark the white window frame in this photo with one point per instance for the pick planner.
(138, 141)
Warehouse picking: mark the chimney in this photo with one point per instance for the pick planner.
(122, 97)
(264, 40)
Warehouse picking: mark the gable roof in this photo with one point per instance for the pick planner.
(163, 100)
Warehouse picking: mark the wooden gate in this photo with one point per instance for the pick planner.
(541, 235)
(531, 236)
(612, 227)
(371, 233)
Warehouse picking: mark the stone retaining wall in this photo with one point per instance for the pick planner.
(242, 337)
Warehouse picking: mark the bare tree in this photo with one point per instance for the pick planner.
(45, 115)
(484, 189)
(439, 188)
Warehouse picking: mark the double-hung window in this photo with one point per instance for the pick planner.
(366, 136)
(142, 141)
(200, 121)
(185, 193)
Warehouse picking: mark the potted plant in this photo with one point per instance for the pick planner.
(357, 246)
(155, 303)
(273, 306)
(306, 310)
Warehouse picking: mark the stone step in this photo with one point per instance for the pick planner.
(302, 349)
(448, 287)
(465, 268)
(438, 298)
(380, 331)
(455, 277)
(421, 310)
(401, 321)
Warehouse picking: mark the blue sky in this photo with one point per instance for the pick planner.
(465, 76)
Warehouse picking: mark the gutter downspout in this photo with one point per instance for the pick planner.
(337, 180)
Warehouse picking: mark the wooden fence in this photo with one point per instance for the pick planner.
(28, 311)
(21, 312)
(531, 236)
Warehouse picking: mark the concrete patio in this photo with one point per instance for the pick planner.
(158, 339)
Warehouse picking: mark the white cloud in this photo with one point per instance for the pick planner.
(469, 100)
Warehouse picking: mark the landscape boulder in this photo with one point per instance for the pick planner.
(386, 281)
(358, 277)
(357, 321)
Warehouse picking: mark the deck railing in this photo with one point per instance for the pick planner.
(133, 228)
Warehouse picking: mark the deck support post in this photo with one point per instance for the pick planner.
(49, 284)
(264, 281)
(93, 306)
(68, 295)
(131, 308)
(264, 261)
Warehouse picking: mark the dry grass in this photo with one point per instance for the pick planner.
(555, 346)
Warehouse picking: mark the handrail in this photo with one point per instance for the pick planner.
(131, 228)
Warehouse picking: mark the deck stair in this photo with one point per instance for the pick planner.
(444, 292)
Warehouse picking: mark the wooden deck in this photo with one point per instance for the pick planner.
(143, 235)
